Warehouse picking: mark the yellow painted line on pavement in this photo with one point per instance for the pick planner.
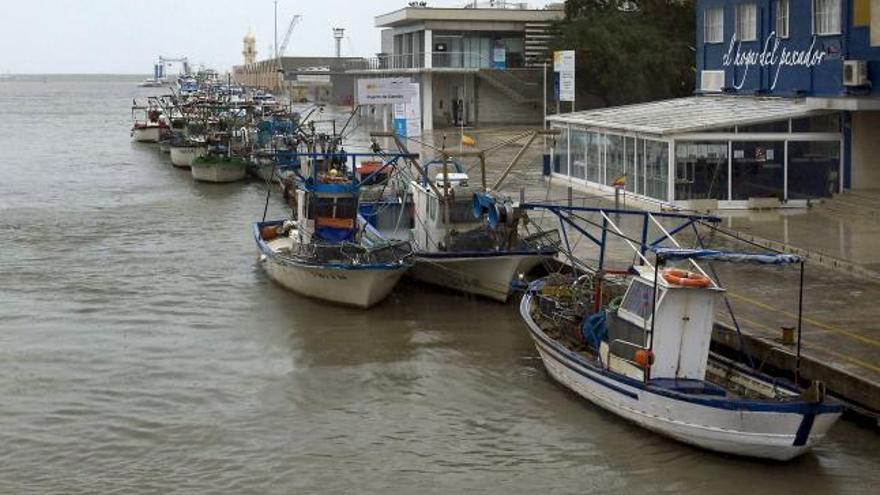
(845, 357)
(824, 326)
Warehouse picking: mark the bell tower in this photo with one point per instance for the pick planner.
(250, 48)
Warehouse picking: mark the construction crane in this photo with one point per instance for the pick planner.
(283, 47)
(183, 61)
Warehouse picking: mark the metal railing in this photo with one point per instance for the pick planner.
(416, 60)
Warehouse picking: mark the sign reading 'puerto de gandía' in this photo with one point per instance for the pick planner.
(384, 91)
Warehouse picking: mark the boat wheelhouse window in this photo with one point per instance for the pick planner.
(335, 207)
(639, 300)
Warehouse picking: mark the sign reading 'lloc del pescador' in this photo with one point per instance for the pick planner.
(774, 55)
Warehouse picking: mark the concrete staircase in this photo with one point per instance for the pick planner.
(536, 44)
(521, 85)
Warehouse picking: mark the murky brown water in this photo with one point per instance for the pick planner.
(143, 351)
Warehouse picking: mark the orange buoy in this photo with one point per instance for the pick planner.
(644, 358)
(685, 278)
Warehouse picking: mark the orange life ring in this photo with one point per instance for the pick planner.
(685, 278)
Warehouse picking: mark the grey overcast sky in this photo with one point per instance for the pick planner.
(126, 36)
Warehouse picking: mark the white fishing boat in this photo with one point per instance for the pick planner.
(148, 123)
(455, 246)
(458, 250)
(184, 153)
(327, 253)
(637, 344)
(218, 168)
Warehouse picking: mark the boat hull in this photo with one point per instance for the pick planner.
(764, 429)
(264, 171)
(183, 156)
(486, 275)
(149, 134)
(360, 286)
(211, 172)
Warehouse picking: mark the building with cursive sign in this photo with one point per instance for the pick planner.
(786, 111)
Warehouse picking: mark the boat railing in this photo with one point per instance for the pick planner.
(352, 253)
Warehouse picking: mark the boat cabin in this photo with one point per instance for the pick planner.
(679, 337)
(327, 203)
(438, 218)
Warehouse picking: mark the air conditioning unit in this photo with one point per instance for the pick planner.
(711, 81)
(855, 73)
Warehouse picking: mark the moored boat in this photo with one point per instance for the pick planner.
(184, 153)
(637, 343)
(148, 123)
(329, 253)
(218, 168)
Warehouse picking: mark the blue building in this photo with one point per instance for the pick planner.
(787, 110)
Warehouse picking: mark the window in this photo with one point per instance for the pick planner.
(747, 22)
(713, 20)
(639, 300)
(826, 17)
(875, 22)
(700, 170)
(782, 18)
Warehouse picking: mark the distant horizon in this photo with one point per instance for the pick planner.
(113, 37)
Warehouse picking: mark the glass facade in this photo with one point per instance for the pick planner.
(757, 170)
(578, 152)
(615, 166)
(700, 170)
(560, 160)
(813, 169)
(595, 156)
(657, 169)
(788, 160)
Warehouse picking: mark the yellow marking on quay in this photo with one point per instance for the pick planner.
(824, 326)
(851, 359)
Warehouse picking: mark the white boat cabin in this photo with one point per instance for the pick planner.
(682, 330)
(437, 219)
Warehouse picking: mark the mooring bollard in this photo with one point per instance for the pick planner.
(788, 335)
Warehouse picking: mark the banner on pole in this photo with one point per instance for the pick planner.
(563, 69)
(408, 114)
(384, 91)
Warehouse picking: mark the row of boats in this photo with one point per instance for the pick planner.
(635, 342)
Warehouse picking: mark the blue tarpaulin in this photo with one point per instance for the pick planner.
(715, 255)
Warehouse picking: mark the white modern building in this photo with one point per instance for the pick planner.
(478, 64)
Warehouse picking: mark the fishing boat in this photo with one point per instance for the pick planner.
(148, 123)
(185, 151)
(219, 168)
(328, 252)
(637, 343)
(152, 83)
(458, 250)
(455, 247)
